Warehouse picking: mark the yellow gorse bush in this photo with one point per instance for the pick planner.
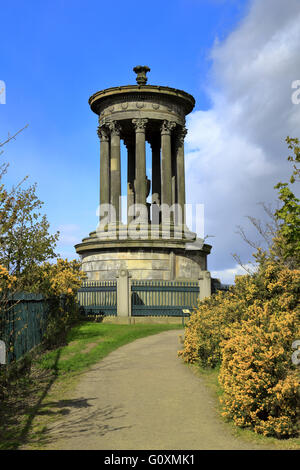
(206, 327)
(249, 330)
(7, 281)
(261, 386)
(59, 283)
(63, 277)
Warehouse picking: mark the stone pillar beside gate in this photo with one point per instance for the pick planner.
(204, 285)
(123, 293)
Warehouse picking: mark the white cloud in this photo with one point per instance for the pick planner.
(70, 235)
(235, 151)
(226, 276)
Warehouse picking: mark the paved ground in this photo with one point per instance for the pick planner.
(142, 397)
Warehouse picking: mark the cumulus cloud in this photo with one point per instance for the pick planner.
(227, 275)
(235, 151)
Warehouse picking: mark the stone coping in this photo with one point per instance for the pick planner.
(96, 244)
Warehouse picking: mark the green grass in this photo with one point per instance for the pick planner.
(90, 342)
(210, 377)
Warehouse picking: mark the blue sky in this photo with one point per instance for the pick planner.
(55, 54)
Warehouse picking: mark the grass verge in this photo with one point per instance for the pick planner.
(41, 397)
(90, 342)
(210, 378)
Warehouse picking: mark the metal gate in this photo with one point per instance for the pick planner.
(163, 298)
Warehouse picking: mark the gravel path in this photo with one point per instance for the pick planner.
(142, 396)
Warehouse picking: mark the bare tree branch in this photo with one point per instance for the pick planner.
(243, 266)
(267, 231)
(12, 137)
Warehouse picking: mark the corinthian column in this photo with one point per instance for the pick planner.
(115, 167)
(130, 176)
(156, 180)
(140, 161)
(181, 171)
(166, 168)
(104, 165)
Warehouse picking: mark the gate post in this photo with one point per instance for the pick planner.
(2, 352)
(123, 293)
(204, 285)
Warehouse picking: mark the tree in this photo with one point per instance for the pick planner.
(281, 232)
(11, 137)
(8, 203)
(25, 241)
(287, 239)
(28, 242)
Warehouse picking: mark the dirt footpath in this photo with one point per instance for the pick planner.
(142, 396)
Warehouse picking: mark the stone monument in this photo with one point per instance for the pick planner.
(154, 242)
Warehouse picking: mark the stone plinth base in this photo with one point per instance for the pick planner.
(161, 259)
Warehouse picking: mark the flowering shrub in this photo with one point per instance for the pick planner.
(62, 278)
(207, 325)
(59, 282)
(261, 387)
(250, 330)
(205, 329)
(7, 281)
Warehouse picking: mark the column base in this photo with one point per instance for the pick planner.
(144, 231)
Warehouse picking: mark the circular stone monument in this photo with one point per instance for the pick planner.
(155, 242)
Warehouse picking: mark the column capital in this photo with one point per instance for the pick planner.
(114, 127)
(139, 124)
(167, 127)
(102, 132)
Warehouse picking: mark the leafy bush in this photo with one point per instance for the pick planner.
(206, 328)
(261, 387)
(59, 282)
(55, 279)
(250, 331)
(63, 313)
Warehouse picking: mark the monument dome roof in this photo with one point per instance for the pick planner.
(141, 91)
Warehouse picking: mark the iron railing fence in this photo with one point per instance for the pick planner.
(23, 324)
(98, 297)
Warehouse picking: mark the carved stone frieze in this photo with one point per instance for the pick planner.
(140, 101)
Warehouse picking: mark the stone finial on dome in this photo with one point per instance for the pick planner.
(141, 71)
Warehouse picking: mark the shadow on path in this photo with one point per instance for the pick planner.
(84, 416)
(34, 411)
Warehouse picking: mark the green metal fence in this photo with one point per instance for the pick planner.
(167, 298)
(159, 298)
(23, 324)
(98, 297)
